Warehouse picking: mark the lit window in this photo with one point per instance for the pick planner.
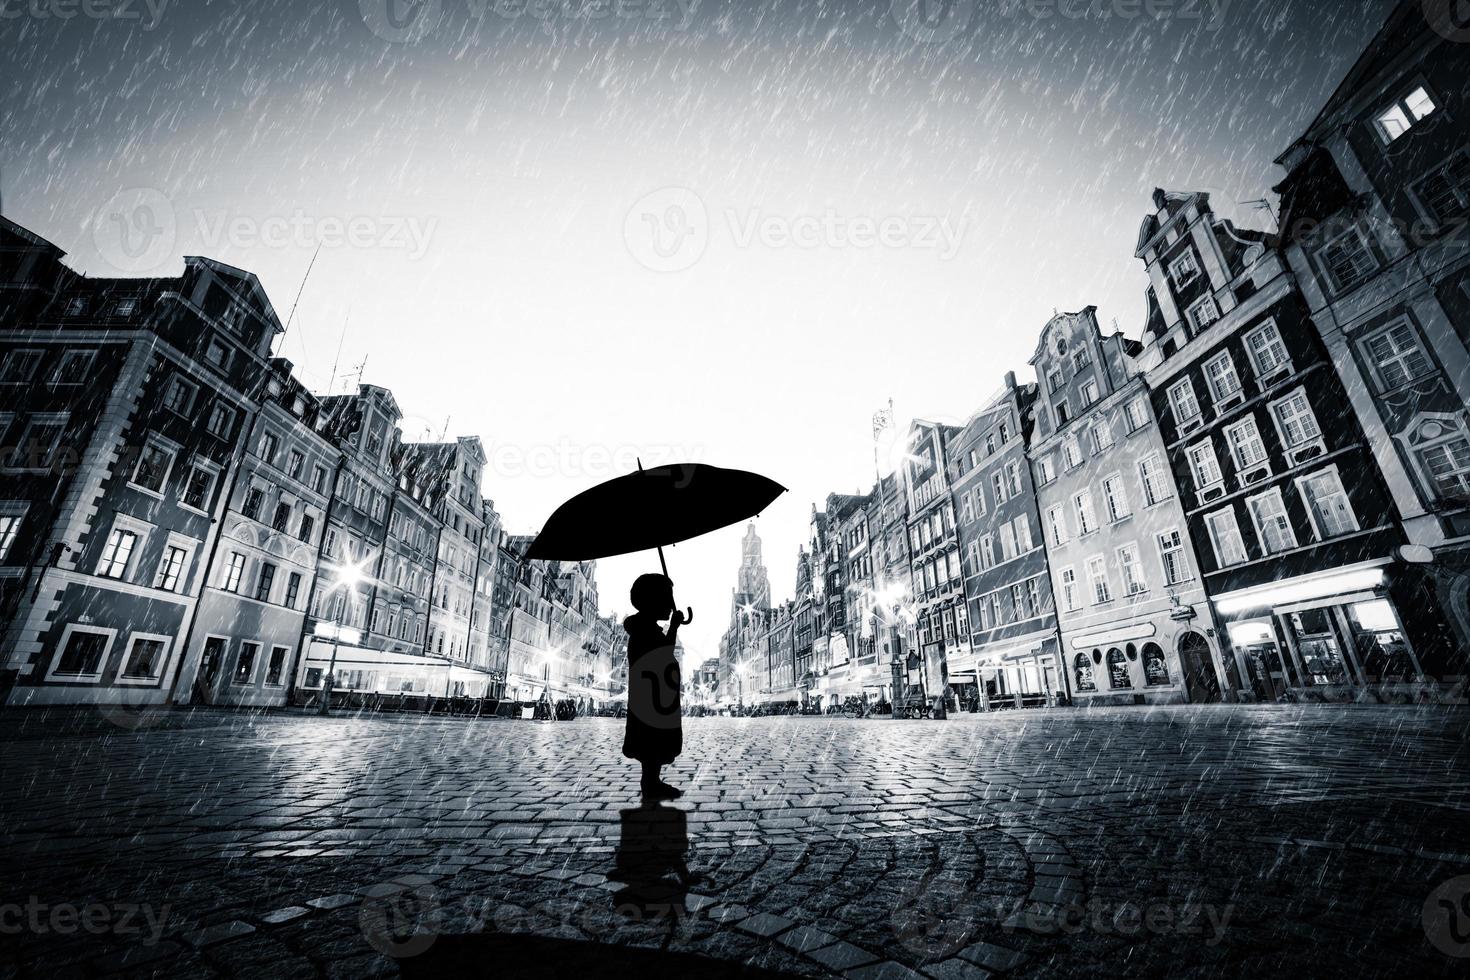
(9, 527)
(234, 571)
(172, 569)
(1404, 113)
(1225, 536)
(116, 554)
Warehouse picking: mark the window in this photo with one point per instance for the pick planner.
(1403, 114)
(1203, 312)
(1223, 380)
(268, 446)
(9, 527)
(282, 518)
(1071, 452)
(987, 551)
(1024, 542)
(197, 488)
(1183, 402)
(1137, 413)
(1266, 351)
(1062, 413)
(1116, 499)
(1396, 357)
(1089, 392)
(1155, 480)
(171, 571)
(295, 463)
(216, 353)
(1327, 504)
(1102, 437)
(145, 657)
(1068, 580)
(1055, 380)
(1056, 524)
(1246, 447)
(998, 481)
(1171, 556)
(254, 500)
(1225, 536)
(1097, 574)
(1133, 580)
(221, 420)
(154, 463)
(1018, 602)
(1013, 479)
(1445, 191)
(1184, 270)
(1118, 676)
(1046, 470)
(266, 580)
(1082, 671)
(1204, 466)
(20, 365)
(1295, 421)
(117, 553)
(234, 570)
(73, 368)
(319, 479)
(1273, 528)
(1086, 521)
(245, 663)
(1007, 542)
(1347, 260)
(308, 528)
(276, 667)
(293, 590)
(1448, 465)
(82, 652)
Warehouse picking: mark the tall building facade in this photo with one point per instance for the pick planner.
(1374, 211)
(1014, 658)
(934, 557)
(1131, 609)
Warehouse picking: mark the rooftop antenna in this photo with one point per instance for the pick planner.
(291, 317)
(445, 434)
(333, 383)
(362, 366)
(1261, 204)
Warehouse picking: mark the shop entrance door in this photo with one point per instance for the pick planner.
(1200, 680)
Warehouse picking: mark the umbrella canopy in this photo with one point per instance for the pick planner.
(651, 508)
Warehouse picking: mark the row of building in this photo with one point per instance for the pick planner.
(182, 521)
(1267, 496)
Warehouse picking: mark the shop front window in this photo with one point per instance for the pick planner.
(1118, 669)
(1321, 654)
(1155, 668)
(1082, 665)
(1380, 643)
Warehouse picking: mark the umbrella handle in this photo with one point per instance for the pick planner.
(688, 615)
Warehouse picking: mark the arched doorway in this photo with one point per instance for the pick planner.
(1200, 679)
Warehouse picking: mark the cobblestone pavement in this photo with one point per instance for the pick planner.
(1222, 841)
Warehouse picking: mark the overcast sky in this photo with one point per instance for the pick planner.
(720, 231)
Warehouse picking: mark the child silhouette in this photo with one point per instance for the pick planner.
(655, 734)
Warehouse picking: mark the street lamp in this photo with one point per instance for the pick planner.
(347, 578)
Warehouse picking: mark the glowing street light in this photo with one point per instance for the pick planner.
(347, 578)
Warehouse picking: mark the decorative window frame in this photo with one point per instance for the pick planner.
(103, 661)
(1301, 493)
(174, 450)
(1320, 442)
(1370, 363)
(255, 668)
(165, 655)
(1286, 367)
(1416, 437)
(1256, 523)
(1227, 511)
(139, 527)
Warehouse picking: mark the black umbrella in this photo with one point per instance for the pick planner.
(652, 508)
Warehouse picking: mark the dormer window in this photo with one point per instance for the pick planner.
(1184, 270)
(1404, 114)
